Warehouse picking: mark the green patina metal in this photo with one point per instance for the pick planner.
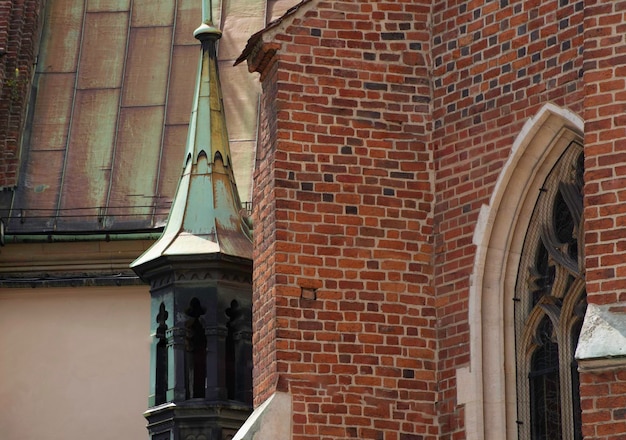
(200, 273)
(206, 215)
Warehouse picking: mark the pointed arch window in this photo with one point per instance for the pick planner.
(550, 302)
(195, 350)
(161, 356)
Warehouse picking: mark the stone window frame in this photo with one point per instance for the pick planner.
(559, 300)
(487, 387)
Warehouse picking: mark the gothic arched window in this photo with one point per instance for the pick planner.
(550, 302)
(161, 357)
(195, 350)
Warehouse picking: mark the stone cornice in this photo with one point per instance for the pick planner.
(101, 262)
(601, 365)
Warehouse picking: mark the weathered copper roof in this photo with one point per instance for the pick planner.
(206, 215)
(110, 113)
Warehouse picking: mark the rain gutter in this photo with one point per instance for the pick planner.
(54, 237)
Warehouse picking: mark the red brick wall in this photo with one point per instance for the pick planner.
(19, 32)
(604, 394)
(264, 293)
(605, 150)
(350, 269)
(495, 64)
(372, 263)
(604, 405)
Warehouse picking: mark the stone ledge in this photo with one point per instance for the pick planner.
(271, 420)
(602, 342)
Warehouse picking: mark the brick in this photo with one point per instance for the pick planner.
(19, 22)
(400, 210)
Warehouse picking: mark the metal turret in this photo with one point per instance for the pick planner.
(206, 214)
(200, 275)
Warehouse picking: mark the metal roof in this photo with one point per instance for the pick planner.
(205, 217)
(109, 113)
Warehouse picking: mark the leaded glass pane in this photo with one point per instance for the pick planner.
(549, 306)
(544, 386)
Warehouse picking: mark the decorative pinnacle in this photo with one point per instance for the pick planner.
(205, 216)
(207, 28)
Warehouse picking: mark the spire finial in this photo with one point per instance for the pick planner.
(205, 216)
(207, 27)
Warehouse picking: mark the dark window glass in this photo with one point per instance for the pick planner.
(576, 409)
(545, 394)
(549, 307)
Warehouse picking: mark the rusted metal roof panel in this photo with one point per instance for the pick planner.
(54, 107)
(108, 73)
(240, 94)
(39, 192)
(88, 162)
(108, 5)
(133, 197)
(240, 90)
(241, 19)
(148, 13)
(171, 168)
(148, 56)
(104, 50)
(184, 61)
(187, 20)
(243, 155)
(61, 37)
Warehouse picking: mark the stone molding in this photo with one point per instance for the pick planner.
(70, 262)
(602, 342)
(270, 420)
(488, 393)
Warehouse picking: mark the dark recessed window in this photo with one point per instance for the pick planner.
(550, 305)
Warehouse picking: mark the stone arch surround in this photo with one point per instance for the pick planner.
(487, 386)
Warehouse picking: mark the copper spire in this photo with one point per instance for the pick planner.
(205, 217)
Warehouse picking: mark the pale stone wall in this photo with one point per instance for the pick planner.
(75, 363)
